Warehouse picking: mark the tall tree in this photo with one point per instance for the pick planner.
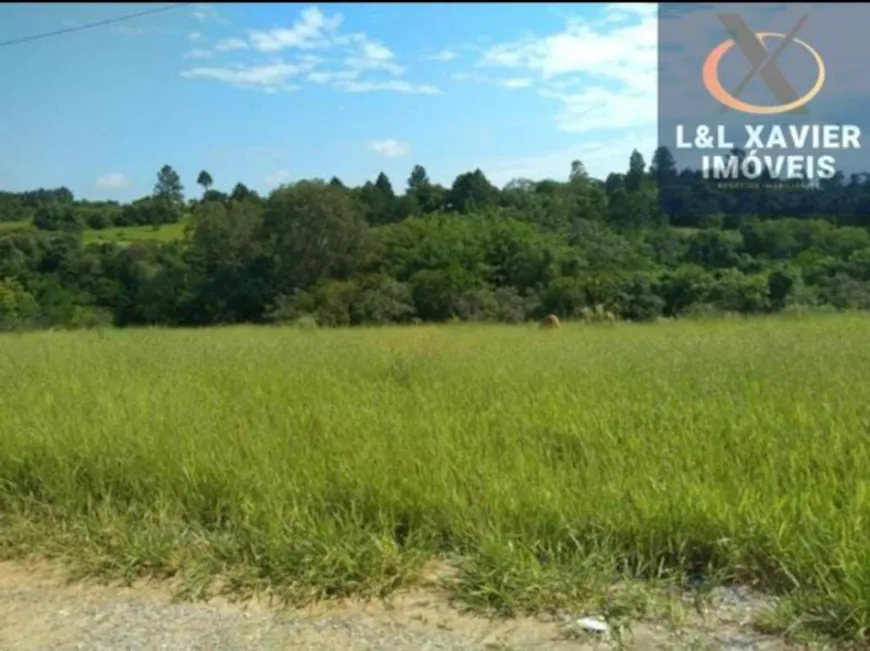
(169, 185)
(425, 196)
(315, 231)
(379, 201)
(636, 172)
(241, 192)
(168, 195)
(579, 175)
(472, 191)
(204, 179)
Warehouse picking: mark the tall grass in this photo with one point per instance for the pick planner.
(11, 227)
(336, 462)
(129, 234)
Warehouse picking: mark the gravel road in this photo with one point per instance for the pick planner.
(39, 611)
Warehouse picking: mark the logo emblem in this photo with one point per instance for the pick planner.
(763, 63)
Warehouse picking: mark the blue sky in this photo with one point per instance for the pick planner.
(270, 93)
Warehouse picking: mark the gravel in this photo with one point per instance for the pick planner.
(40, 612)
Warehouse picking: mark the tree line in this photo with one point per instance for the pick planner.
(650, 242)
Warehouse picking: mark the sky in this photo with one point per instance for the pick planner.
(270, 93)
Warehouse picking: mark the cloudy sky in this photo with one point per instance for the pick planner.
(268, 93)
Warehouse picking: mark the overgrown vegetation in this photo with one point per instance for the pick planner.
(333, 462)
(319, 463)
(366, 255)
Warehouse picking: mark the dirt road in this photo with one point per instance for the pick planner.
(39, 611)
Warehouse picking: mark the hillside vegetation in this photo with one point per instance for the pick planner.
(641, 245)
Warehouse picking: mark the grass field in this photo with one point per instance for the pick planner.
(545, 464)
(172, 232)
(119, 235)
(127, 234)
(12, 227)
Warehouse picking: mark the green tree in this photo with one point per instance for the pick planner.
(241, 192)
(17, 305)
(204, 179)
(168, 195)
(314, 231)
(380, 201)
(168, 186)
(423, 196)
(472, 191)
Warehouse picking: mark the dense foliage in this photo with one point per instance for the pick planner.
(472, 251)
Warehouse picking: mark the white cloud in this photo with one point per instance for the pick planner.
(276, 178)
(206, 13)
(583, 48)
(620, 11)
(444, 56)
(197, 53)
(615, 57)
(332, 77)
(230, 44)
(599, 157)
(113, 181)
(512, 83)
(520, 82)
(372, 55)
(311, 58)
(346, 62)
(312, 30)
(194, 36)
(393, 85)
(269, 77)
(602, 108)
(390, 148)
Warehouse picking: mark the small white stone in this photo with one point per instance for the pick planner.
(593, 624)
